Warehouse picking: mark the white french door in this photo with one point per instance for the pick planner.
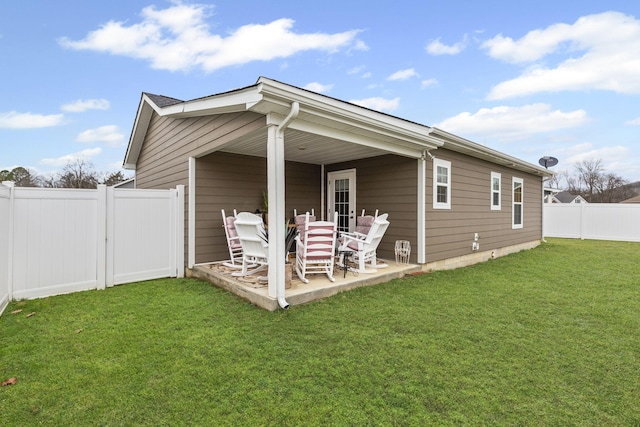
(341, 196)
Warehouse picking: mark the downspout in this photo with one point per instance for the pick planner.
(293, 114)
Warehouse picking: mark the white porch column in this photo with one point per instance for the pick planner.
(191, 257)
(421, 216)
(275, 187)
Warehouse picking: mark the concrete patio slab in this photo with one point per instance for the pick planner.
(319, 286)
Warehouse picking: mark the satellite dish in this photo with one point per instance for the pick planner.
(548, 161)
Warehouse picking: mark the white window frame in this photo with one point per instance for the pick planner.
(444, 164)
(514, 203)
(494, 176)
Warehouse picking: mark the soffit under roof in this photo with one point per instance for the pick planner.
(303, 147)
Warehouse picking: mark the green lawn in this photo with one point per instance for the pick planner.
(548, 336)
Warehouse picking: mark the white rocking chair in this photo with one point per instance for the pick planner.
(255, 250)
(315, 245)
(364, 247)
(233, 242)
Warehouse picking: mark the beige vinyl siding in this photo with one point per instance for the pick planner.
(164, 158)
(450, 233)
(387, 183)
(230, 181)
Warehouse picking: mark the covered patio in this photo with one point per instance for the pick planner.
(304, 128)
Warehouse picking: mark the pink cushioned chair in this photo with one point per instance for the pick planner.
(315, 246)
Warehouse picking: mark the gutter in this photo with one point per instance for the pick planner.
(293, 114)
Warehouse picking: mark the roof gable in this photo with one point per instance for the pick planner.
(319, 115)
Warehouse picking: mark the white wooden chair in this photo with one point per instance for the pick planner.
(233, 241)
(364, 247)
(315, 246)
(255, 250)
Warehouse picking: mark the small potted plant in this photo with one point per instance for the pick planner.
(265, 207)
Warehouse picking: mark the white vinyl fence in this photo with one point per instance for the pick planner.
(597, 221)
(5, 205)
(55, 241)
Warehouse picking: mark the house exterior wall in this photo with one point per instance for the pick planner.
(230, 181)
(163, 161)
(450, 232)
(387, 183)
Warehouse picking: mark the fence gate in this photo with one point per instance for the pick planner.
(55, 241)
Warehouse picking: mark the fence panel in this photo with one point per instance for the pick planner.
(5, 224)
(141, 230)
(598, 221)
(54, 241)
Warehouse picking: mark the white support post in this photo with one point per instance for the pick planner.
(11, 236)
(421, 236)
(322, 193)
(276, 188)
(179, 223)
(192, 213)
(103, 240)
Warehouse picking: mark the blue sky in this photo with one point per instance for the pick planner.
(528, 78)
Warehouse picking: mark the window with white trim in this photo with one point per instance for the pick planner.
(441, 184)
(496, 185)
(517, 202)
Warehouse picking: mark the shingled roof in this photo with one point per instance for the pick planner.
(163, 101)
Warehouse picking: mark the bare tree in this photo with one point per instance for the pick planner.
(614, 189)
(78, 174)
(597, 186)
(590, 174)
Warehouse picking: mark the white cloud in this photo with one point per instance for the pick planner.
(403, 74)
(80, 155)
(438, 48)
(378, 104)
(428, 83)
(15, 120)
(110, 134)
(609, 45)
(318, 87)
(634, 122)
(178, 38)
(513, 123)
(587, 151)
(82, 105)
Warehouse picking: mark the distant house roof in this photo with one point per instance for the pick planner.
(567, 197)
(635, 199)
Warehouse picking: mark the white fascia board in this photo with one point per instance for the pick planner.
(373, 134)
(217, 104)
(351, 114)
(456, 143)
(140, 126)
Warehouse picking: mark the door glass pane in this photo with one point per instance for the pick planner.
(341, 203)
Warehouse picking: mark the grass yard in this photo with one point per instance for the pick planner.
(544, 337)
